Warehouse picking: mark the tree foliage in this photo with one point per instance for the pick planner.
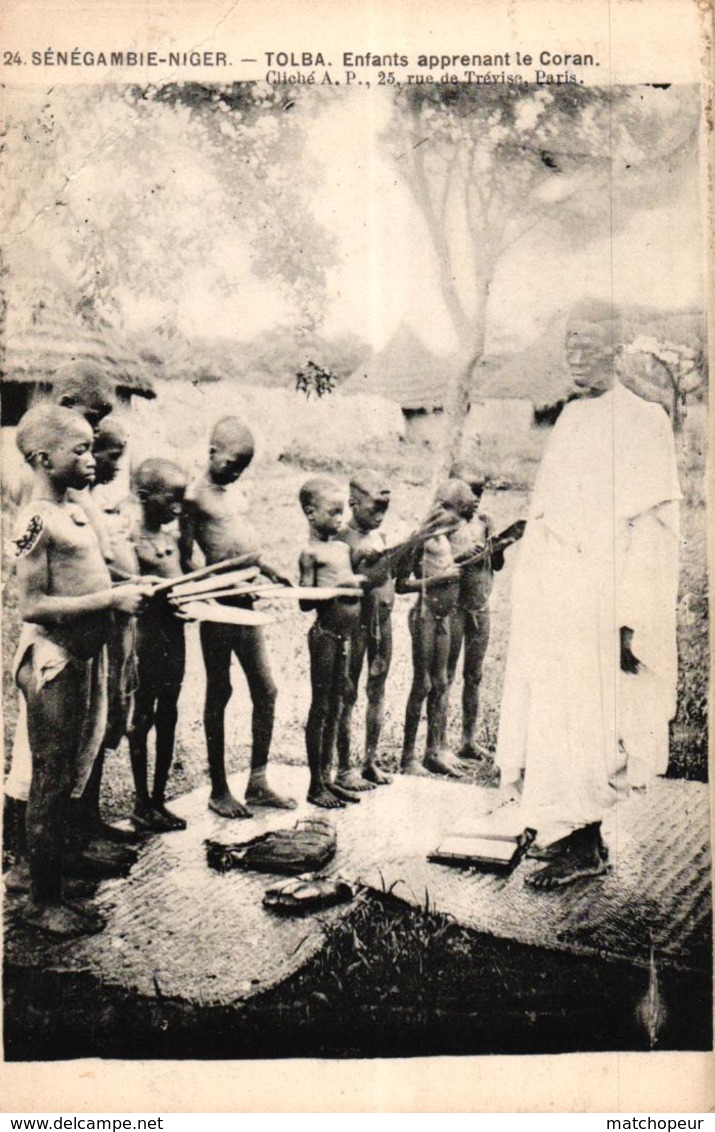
(487, 165)
(131, 190)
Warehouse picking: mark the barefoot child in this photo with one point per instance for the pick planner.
(159, 487)
(326, 562)
(437, 583)
(369, 500)
(84, 388)
(469, 623)
(212, 519)
(65, 597)
(109, 449)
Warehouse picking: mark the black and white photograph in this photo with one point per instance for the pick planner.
(354, 558)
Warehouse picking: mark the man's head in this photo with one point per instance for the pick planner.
(85, 388)
(369, 499)
(322, 502)
(160, 487)
(457, 498)
(473, 477)
(110, 442)
(593, 337)
(231, 449)
(57, 442)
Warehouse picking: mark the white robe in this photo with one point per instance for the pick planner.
(600, 552)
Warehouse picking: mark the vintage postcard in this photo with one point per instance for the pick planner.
(356, 647)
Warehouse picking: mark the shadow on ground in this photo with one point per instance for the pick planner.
(391, 981)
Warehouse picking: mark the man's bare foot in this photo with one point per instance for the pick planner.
(413, 767)
(565, 870)
(58, 919)
(259, 793)
(175, 822)
(371, 773)
(353, 779)
(589, 835)
(226, 806)
(438, 764)
(581, 854)
(344, 795)
(17, 878)
(474, 752)
(325, 799)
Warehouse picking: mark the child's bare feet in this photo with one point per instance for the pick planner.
(338, 790)
(96, 922)
(151, 820)
(473, 752)
(439, 764)
(226, 806)
(259, 793)
(112, 833)
(353, 779)
(59, 920)
(371, 772)
(325, 799)
(413, 767)
(174, 821)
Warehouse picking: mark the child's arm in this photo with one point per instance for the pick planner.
(38, 606)
(272, 573)
(306, 564)
(189, 554)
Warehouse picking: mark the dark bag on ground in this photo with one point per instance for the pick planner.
(307, 848)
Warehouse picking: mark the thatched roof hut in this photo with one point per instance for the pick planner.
(405, 371)
(32, 357)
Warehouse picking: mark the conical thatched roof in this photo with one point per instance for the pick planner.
(405, 371)
(33, 356)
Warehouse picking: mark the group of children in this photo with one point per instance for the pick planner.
(101, 651)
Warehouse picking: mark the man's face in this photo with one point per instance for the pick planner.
(368, 510)
(589, 353)
(70, 459)
(107, 461)
(326, 513)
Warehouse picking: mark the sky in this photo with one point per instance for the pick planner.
(386, 272)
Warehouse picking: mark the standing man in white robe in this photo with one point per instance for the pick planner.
(590, 682)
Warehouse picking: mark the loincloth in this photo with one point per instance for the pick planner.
(49, 659)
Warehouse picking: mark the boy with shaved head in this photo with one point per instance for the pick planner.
(159, 486)
(66, 598)
(437, 581)
(470, 621)
(326, 562)
(212, 520)
(84, 388)
(369, 500)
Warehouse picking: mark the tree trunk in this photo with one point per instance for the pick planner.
(677, 413)
(461, 390)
